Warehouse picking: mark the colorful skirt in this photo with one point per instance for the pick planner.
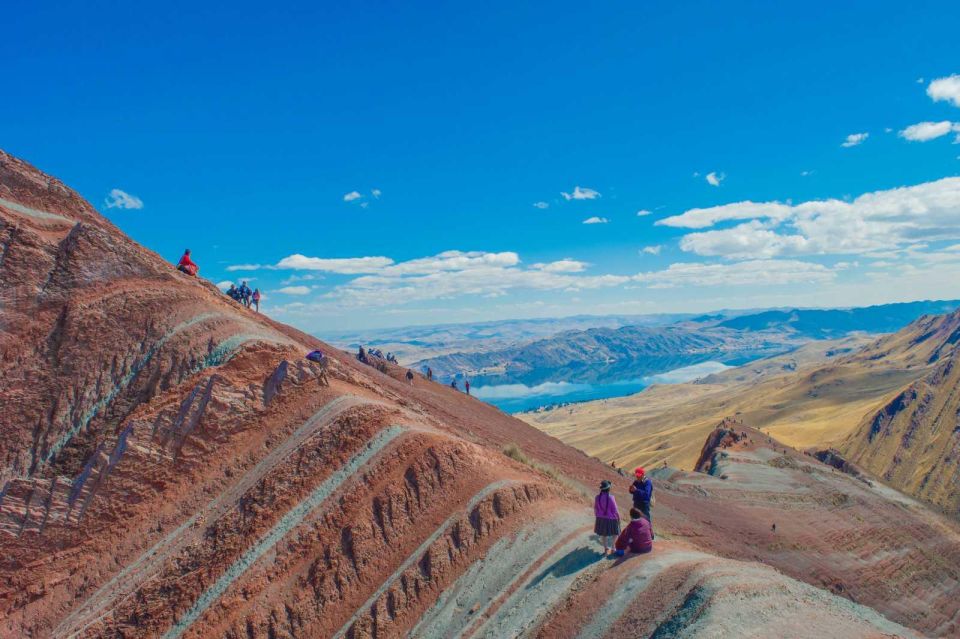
(606, 527)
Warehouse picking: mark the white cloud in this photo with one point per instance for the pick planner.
(493, 279)
(566, 265)
(581, 194)
(748, 273)
(714, 179)
(247, 267)
(118, 199)
(224, 285)
(854, 139)
(923, 131)
(346, 265)
(541, 205)
(376, 193)
(596, 220)
(643, 213)
(294, 290)
(920, 80)
(452, 261)
(652, 250)
(946, 89)
(351, 196)
(806, 173)
(879, 221)
(307, 277)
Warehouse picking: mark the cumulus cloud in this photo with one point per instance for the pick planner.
(376, 193)
(294, 290)
(351, 196)
(581, 194)
(923, 131)
(566, 265)
(346, 265)
(854, 139)
(247, 267)
(643, 213)
(945, 89)
(224, 285)
(596, 220)
(651, 250)
(714, 179)
(541, 205)
(879, 221)
(747, 273)
(482, 274)
(118, 199)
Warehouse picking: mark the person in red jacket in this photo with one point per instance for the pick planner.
(187, 265)
(636, 536)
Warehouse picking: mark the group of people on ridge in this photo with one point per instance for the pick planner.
(243, 294)
(638, 535)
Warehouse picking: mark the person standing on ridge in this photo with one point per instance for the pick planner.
(410, 377)
(466, 386)
(642, 490)
(187, 265)
(256, 299)
(453, 384)
(607, 524)
(245, 294)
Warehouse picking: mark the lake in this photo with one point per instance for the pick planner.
(514, 396)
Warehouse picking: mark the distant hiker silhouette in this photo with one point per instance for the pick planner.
(410, 377)
(466, 386)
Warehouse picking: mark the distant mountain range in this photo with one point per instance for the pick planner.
(714, 336)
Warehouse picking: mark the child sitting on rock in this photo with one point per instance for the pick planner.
(636, 536)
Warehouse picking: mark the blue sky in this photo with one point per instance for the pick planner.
(240, 131)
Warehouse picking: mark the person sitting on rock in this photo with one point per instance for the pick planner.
(637, 536)
(642, 490)
(607, 523)
(232, 292)
(187, 265)
(362, 355)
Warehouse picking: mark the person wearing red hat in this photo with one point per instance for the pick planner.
(642, 490)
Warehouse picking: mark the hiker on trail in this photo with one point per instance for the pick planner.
(429, 374)
(186, 265)
(466, 386)
(245, 294)
(256, 299)
(317, 357)
(410, 376)
(642, 490)
(637, 536)
(607, 525)
(453, 384)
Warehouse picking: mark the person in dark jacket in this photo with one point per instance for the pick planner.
(637, 536)
(607, 524)
(642, 490)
